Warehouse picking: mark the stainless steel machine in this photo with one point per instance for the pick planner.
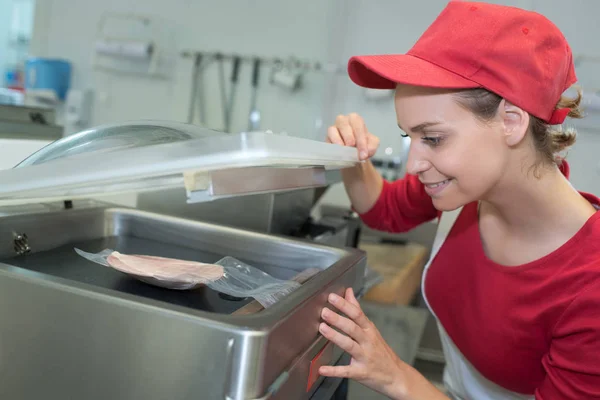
(75, 329)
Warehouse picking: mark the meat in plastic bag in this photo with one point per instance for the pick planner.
(228, 275)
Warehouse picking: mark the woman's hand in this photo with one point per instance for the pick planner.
(350, 130)
(374, 363)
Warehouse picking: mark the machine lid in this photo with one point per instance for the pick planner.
(151, 156)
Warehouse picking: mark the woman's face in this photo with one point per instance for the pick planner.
(457, 157)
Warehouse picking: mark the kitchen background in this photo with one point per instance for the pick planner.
(114, 77)
(309, 32)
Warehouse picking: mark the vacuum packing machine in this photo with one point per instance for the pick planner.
(73, 329)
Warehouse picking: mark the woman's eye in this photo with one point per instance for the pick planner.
(432, 140)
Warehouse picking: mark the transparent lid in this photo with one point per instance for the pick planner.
(150, 156)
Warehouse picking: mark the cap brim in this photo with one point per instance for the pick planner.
(386, 71)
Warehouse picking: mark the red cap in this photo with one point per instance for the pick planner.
(517, 54)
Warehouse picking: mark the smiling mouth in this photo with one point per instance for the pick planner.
(435, 185)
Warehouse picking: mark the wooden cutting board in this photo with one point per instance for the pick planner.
(401, 266)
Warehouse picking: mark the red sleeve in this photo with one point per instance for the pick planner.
(573, 363)
(401, 206)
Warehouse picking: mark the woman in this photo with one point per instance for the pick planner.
(515, 286)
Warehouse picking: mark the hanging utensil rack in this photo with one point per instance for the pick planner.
(203, 58)
(303, 65)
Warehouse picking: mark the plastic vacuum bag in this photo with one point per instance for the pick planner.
(243, 280)
(239, 279)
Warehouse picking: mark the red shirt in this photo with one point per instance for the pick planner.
(533, 328)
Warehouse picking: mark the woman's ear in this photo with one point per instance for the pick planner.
(515, 121)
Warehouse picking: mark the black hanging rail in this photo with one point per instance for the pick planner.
(289, 62)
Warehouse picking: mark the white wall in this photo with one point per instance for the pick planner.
(6, 52)
(578, 20)
(13, 151)
(66, 28)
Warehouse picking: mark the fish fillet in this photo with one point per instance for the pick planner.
(165, 268)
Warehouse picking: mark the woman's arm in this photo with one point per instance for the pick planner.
(363, 183)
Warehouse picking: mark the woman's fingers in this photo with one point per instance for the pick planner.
(333, 136)
(346, 325)
(351, 130)
(353, 312)
(342, 341)
(372, 144)
(344, 371)
(345, 129)
(360, 133)
(351, 298)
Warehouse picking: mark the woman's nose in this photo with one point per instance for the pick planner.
(416, 164)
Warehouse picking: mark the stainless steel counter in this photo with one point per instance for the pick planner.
(29, 131)
(32, 123)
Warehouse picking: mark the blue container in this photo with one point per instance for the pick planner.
(47, 73)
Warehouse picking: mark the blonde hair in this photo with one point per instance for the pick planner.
(549, 140)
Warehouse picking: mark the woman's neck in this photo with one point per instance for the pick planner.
(530, 205)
